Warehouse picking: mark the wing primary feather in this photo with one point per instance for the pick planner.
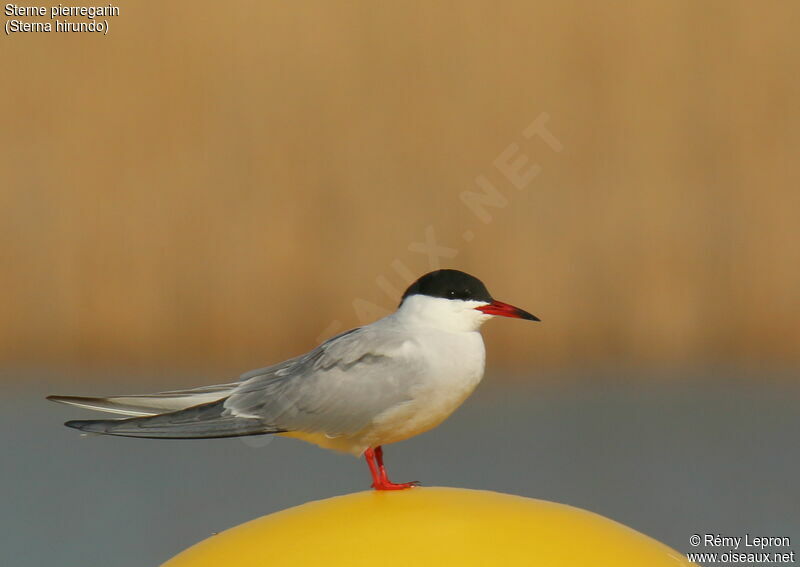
(206, 421)
(101, 404)
(149, 404)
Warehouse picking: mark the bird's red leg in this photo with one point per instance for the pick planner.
(369, 455)
(383, 482)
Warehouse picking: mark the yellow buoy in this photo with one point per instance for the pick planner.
(430, 526)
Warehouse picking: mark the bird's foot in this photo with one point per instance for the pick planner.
(389, 485)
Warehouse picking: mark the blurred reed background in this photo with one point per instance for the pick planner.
(223, 184)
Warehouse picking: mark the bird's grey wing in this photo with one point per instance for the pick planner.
(336, 389)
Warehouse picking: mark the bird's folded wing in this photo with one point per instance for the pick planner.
(336, 389)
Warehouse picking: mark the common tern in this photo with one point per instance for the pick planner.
(374, 385)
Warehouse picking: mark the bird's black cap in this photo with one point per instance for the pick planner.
(449, 284)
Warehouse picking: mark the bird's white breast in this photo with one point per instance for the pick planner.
(454, 365)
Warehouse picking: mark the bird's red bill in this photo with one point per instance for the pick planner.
(505, 310)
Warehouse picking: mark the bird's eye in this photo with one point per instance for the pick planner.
(458, 293)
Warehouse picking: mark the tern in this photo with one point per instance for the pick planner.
(374, 385)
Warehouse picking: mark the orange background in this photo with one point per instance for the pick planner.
(224, 184)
